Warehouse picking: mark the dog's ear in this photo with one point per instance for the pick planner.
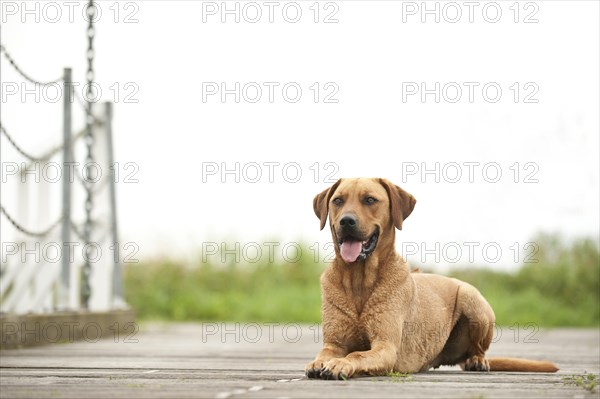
(321, 203)
(401, 202)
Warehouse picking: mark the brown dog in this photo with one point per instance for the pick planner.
(379, 317)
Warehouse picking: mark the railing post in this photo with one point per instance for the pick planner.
(117, 279)
(63, 297)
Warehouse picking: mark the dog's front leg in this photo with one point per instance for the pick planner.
(378, 360)
(329, 351)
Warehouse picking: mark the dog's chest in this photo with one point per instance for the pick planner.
(369, 310)
(358, 337)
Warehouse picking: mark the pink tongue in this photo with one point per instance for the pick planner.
(350, 250)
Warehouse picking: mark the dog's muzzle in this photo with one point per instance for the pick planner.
(354, 248)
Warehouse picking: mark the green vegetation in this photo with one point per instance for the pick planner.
(261, 292)
(396, 376)
(587, 382)
(561, 289)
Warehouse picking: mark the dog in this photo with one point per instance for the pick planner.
(378, 316)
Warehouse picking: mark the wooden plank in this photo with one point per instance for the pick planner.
(182, 360)
(18, 331)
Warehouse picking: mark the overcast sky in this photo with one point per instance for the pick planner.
(367, 90)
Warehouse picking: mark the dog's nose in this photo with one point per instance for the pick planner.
(348, 221)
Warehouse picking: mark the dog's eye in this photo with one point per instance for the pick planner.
(338, 201)
(370, 200)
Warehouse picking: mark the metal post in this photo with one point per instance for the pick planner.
(63, 296)
(117, 278)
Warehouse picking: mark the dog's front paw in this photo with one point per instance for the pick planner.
(313, 369)
(337, 369)
(477, 363)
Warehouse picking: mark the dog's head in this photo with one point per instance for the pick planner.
(363, 213)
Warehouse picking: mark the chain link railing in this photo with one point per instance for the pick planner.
(89, 142)
(21, 151)
(23, 74)
(91, 186)
(39, 234)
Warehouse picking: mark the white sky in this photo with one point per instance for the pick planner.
(369, 55)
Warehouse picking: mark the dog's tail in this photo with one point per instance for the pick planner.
(521, 365)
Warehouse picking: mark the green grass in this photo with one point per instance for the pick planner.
(268, 292)
(562, 289)
(396, 376)
(587, 382)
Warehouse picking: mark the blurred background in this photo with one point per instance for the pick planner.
(229, 117)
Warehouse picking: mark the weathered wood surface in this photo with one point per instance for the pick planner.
(18, 331)
(234, 361)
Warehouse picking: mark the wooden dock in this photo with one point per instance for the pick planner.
(256, 360)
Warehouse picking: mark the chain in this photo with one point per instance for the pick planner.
(20, 150)
(89, 142)
(45, 232)
(47, 156)
(23, 74)
(99, 185)
(83, 104)
(78, 232)
(23, 230)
